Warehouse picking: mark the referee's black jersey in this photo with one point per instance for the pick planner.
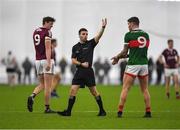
(84, 51)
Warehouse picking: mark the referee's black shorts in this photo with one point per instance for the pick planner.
(84, 77)
(10, 70)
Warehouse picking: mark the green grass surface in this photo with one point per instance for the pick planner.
(13, 112)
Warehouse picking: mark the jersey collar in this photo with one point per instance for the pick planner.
(136, 29)
(82, 43)
(170, 49)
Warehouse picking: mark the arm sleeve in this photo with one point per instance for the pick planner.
(73, 53)
(163, 53)
(126, 39)
(148, 37)
(48, 34)
(93, 42)
(177, 53)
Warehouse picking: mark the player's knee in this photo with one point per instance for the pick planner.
(73, 91)
(176, 82)
(125, 89)
(58, 79)
(143, 89)
(95, 93)
(41, 86)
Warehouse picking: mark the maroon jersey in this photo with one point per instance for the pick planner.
(170, 56)
(39, 42)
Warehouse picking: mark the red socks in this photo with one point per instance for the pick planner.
(148, 109)
(120, 108)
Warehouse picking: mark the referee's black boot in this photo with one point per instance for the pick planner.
(147, 115)
(102, 113)
(64, 113)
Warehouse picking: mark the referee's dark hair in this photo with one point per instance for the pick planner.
(169, 40)
(82, 29)
(48, 19)
(135, 20)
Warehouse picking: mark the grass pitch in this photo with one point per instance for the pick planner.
(14, 115)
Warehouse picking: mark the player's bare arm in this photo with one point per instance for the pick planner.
(122, 54)
(100, 33)
(161, 59)
(178, 61)
(48, 52)
(76, 62)
(163, 62)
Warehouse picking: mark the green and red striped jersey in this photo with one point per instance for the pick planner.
(138, 43)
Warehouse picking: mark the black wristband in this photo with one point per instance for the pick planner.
(103, 27)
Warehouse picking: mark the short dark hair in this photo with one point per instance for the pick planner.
(169, 40)
(53, 40)
(48, 19)
(134, 20)
(82, 29)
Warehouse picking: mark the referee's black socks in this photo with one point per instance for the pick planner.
(99, 102)
(71, 103)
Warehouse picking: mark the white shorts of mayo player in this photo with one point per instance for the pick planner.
(137, 70)
(41, 67)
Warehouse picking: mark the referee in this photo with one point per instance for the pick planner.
(82, 57)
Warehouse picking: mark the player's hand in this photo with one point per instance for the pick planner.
(177, 65)
(115, 60)
(104, 22)
(166, 66)
(85, 64)
(48, 67)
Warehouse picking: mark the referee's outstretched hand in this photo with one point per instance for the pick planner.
(104, 22)
(85, 64)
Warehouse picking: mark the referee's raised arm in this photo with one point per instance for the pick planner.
(100, 33)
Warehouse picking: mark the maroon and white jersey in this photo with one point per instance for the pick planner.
(39, 37)
(170, 56)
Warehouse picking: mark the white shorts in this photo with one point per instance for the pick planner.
(170, 72)
(41, 67)
(56, 70)
(137, 70)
